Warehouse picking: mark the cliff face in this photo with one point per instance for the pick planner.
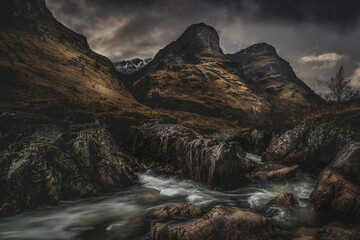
(40, 59)
(274, 76)
(216, 161)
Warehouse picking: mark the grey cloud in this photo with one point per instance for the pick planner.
(127, 29)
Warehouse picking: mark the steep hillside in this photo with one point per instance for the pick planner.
(274, 75)
(192, 74)
(40, 59)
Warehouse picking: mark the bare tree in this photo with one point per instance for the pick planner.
(339, 86)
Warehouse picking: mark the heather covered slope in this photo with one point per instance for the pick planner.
(40, 59)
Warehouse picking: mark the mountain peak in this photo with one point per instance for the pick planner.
(16, 8)
(199, 37)
(259, 47)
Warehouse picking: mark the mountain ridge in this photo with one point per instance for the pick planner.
(202, 79)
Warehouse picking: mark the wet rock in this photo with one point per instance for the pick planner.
(255, 141)
(184, 210)
(49, 165)
(216, 161)
(283, 173)
(283, 200)
(262, 170)
(222, 222)
(339, 231)
(338, 188)
(312, 145)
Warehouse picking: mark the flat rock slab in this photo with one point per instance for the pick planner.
(283, 173)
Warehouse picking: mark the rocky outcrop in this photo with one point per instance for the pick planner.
(45, 164)
(174, 149)
(339, 231)
(283, 173)
(16, 8)
(184, 210)
(338, 188)
(283, 200)
(313, 144)
(221, 222)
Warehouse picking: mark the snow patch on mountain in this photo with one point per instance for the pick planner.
(131, 66)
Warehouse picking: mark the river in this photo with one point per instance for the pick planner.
(118, 215)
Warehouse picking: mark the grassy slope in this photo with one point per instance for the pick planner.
(40, 59)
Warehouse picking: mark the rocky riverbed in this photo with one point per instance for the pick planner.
(80, 180)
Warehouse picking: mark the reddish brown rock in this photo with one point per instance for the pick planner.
(222, 222)
(283, 200)
(339, 231)
(184, 210)
(283, 174)
(338, 189)
(336, 195)
(262, 170)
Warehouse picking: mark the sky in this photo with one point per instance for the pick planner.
(314, 36)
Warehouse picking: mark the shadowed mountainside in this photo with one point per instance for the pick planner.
(40, 59)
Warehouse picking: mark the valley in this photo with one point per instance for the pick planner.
(194, 143)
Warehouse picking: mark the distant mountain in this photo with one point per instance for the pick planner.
(40, 59)
(131, 66)
(193, 74)
(274, 75)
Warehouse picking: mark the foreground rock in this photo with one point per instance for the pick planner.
(221, 222)
(339, 231)
(216, 161)
(283, 200)
(283, 173)
(315, 143)
(184, 210)
(44, 164)
(338, 189)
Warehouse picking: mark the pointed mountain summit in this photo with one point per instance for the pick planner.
(198, 38)
(192, 74)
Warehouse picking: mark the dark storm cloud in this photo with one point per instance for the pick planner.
(298, 29)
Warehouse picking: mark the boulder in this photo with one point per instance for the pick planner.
(313, 144)
(222, 222)
(50, 164)
(283, 173)
(216, 161)
(283, 200)
(184, 210)
(338, 188)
